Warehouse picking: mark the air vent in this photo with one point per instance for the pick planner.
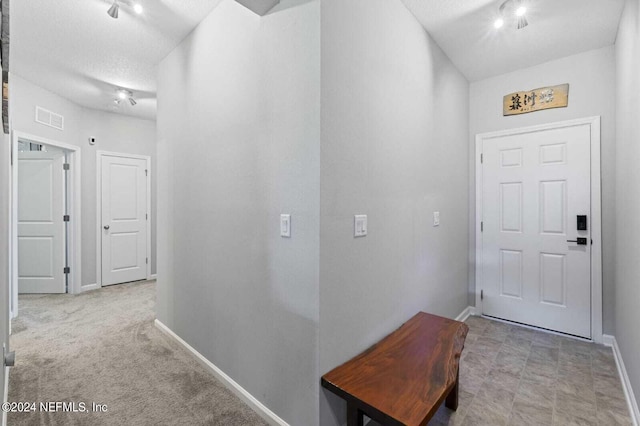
(48, 118)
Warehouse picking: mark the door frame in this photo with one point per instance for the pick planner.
(99, 155)
(74, 241)
(596, 211)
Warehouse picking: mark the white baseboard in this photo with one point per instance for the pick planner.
(468, 311)
(608, 340)
(6, 394)
(269, 416)
(153, 277)
(89, 287)
(626, 383)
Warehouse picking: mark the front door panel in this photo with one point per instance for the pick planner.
(535, 185)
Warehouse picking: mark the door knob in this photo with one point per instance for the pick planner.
(107, 227)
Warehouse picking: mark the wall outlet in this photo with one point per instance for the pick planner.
(436, 218)
(360, 225)
(285, 225)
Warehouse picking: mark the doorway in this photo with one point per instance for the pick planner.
(124, 226)
(45, 217)
(538, 243)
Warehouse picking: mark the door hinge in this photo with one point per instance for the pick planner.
(67, 270)
(481, 226)
(147, 260)
(146, 172)
(66, 166)
(146, 215)
(66, 218)
(481, 294)
(481, 158)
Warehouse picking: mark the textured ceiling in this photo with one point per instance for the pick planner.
(73, 48)
(557, 28)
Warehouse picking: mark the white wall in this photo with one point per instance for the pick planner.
(238, 144)
(591, 78)
(628, 192)
(113, 132)
(394, 147)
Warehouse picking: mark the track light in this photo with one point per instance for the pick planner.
(113, 10)
(123, 94)
(515, 7)
(522, 22)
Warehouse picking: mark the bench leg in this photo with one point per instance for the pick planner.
(452, 399)
(354, 416)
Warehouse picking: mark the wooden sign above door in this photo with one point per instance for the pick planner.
(536, 100)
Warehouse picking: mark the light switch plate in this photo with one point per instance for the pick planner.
(285, 225)
(436, 218)
(360, 225)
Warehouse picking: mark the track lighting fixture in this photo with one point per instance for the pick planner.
(123, 94)
(113, 10)
(522, 22)
(517, 8)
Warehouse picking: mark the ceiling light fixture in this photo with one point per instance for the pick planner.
(125, 94)
(522, 22)
(113, 10)
(517, 8)
(138, 8)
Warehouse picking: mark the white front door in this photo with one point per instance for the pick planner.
(535, 185)
(41, 227)
(124, 214)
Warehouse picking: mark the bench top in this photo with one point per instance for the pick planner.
(405, 377)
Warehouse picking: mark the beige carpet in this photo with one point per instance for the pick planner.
(102, 347)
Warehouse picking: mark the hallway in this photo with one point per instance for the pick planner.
(102, 347)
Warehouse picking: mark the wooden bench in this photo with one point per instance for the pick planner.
(404, 378)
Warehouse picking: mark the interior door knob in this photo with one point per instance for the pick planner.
(107, 227)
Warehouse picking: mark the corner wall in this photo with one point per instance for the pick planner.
(394, 147)
(591, 78)
(113, 132)
(628, 192)
(239, 142)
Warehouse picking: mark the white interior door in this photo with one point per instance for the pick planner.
(534, 187)
(41, 227)
(124, 219)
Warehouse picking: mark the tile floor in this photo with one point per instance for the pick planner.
(511, 375)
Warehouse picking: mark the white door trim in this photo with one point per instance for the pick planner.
(99, 155)
(596, 207)
(75, 235)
